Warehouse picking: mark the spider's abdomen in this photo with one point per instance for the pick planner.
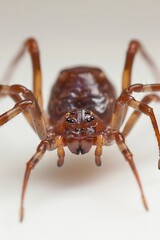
(82, 88)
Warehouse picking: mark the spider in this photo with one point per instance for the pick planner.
(83, 110)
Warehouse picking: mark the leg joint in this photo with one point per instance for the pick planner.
(16, 88)
(32, 45)
(146, 109)
(24, 104)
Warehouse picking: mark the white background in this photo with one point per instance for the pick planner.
(78, 201)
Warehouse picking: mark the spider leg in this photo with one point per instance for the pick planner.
(41, 149)
(136, 114)
(126, 99)
(31, 46)
(129, 158)
(31, 111)
(133, 48)
(33, 108)
(55, 143)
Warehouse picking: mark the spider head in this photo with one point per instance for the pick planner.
(81, 123)
(79, 127)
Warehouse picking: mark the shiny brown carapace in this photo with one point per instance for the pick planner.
(84, 110)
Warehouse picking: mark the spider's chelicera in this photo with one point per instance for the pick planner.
(83, 110)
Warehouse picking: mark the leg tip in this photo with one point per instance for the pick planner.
(145, 203)
(21, 215)
(98, 162)
(60, 163)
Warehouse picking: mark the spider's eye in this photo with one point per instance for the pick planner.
(87, 112)
(92, 118)
(68, 119)
(71, 121)
(89, 119)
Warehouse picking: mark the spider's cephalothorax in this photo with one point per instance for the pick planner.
(80, 123)
(80, 129)
(83, 110)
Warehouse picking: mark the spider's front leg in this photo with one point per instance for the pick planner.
(49, 141)
(35, 117)
(129, 158)
(41, 149)
(55, 142)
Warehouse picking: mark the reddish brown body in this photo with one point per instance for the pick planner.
(82, 87)
(83, 110)
(81, 90)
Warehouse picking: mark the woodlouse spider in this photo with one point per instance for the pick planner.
(83, 110)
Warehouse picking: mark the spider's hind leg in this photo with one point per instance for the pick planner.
(134, 47)
(31, 46)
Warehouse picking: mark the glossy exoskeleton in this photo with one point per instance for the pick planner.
(83, 110)
(86, 98)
